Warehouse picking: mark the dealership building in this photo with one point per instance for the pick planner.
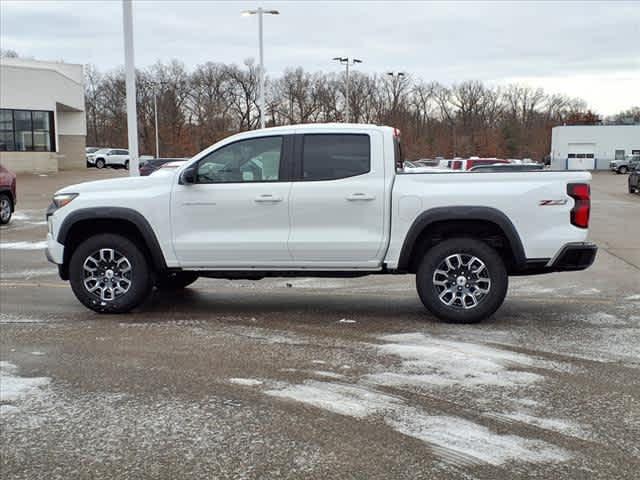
(43, 124)
(592, 147)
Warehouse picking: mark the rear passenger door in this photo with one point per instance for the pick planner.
(338, 200)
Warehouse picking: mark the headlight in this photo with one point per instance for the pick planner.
(62, 199)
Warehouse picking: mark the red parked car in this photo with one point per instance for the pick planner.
(7, 195)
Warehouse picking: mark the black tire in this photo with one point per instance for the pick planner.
(100, 163)
(623, 170)
(126, 165)
(175, 280)
(462, 309)
(139, 275)
(6, 208)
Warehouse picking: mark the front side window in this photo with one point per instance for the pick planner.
(619, 155)
(335, 156)
(252, 160)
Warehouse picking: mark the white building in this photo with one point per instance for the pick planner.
(592, 147)
(43, 124)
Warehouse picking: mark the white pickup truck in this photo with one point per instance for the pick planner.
(319, 200)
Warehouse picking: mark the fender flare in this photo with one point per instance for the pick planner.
(439, 214)
(117, 213)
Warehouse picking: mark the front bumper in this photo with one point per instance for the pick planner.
(54, 250)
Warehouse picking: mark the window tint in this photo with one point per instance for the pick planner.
(572, 155)
(329, 157)
(252, 160)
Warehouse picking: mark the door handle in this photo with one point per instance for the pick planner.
(267, 198)
(360, 196)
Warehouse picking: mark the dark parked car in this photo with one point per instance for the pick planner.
(634, 178)
(149, 166)
(7, 195)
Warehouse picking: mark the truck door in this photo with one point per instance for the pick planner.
(338, 200)
(236, 214)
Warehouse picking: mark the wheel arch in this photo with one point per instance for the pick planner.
(81, 224)
(486, 223)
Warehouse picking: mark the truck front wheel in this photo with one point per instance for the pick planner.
(462, 280)
(109, 274)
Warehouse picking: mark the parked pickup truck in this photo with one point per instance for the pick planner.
(326, 200)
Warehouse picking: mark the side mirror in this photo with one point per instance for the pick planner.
(188, 176)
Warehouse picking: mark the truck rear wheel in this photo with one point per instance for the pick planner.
(462, 280)
(109, 274)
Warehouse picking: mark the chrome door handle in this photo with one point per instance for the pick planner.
(267, 198)
(360, 196)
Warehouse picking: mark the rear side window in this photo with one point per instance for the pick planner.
(334, 156)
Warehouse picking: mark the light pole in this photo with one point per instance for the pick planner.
(347, 61)
(260, 12)
(155, 118)
(130, 78)
(395, 83)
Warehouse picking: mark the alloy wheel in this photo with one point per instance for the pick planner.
(462, 281)
(5, 209)
(107, 274)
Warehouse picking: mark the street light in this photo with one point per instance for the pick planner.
(155, 117)
(260, 12)
(347, 61)
(130, 80)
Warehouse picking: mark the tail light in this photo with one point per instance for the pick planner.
(581, 193)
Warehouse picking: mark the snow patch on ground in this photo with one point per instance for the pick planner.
(247, 382)
(349, 400)
(456, 440)
(20, 215)
(316, 283)
(23, 245)
(633, 298)
(600, 318)
(588, 291)
(467, 442)
(431, 361)
(324, 373)
(554, 424)
(28, 274)
(6, 318)
(14, 388)
(6, 409)
(346, 320)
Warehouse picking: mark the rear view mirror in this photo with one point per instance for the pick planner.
(188, 176)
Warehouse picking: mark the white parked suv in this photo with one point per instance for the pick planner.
(319, 200)
(109, 157)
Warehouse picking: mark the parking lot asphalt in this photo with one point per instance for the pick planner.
(321, 378)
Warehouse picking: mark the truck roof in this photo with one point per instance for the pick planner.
(315, 127)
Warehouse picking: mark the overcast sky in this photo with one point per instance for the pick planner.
(587, 49)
